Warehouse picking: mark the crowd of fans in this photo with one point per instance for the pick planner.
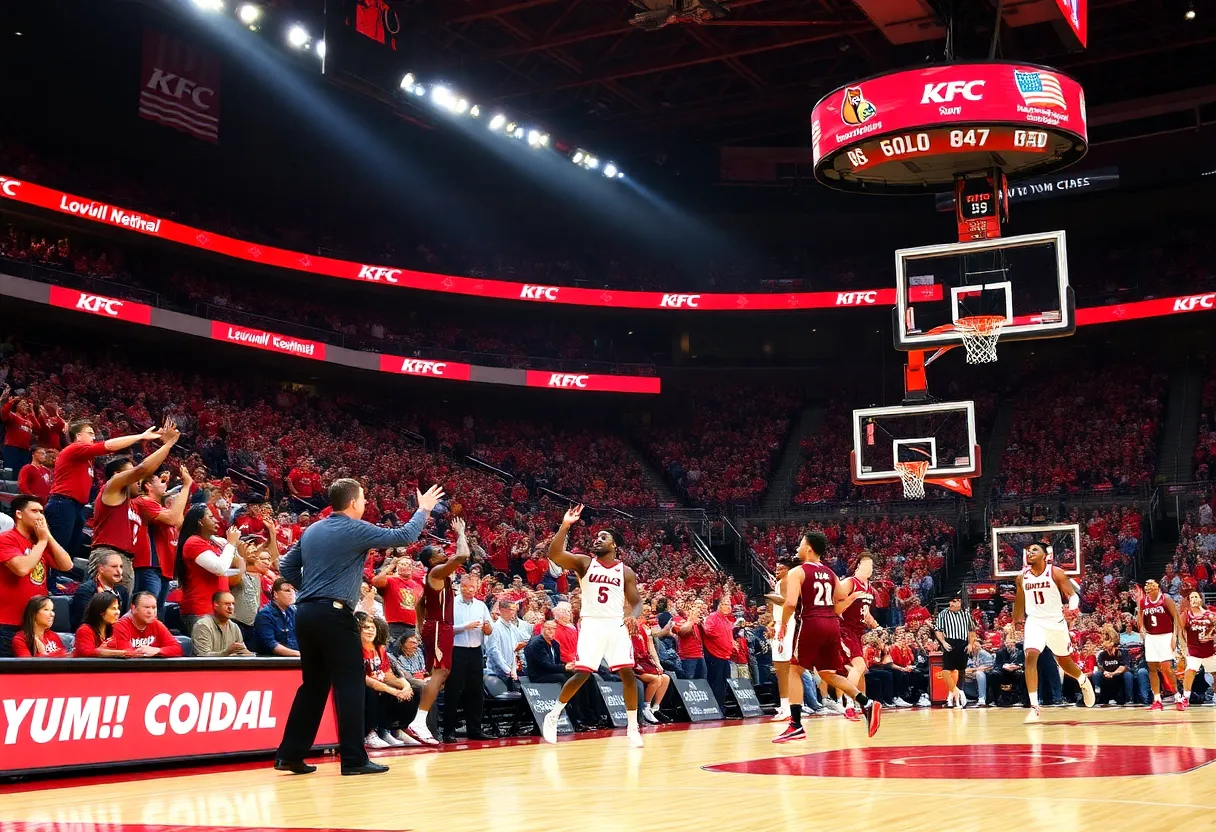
(721, 450)
(1205, 445)
(1092, 429)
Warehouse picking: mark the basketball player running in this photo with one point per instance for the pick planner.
(1196, 626)
(855, 620)
(782, 649)
(1157, 619)
(437, 605)
(1039, 604)
(813, 591)
(609, 593)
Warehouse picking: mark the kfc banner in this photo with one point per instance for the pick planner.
(591, 381)
(122, 310)
(180, 86)
(454, 370)
(145, 711)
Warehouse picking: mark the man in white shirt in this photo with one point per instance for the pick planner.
(471, 624)
(504, 645)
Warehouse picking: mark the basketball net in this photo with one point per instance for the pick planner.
(912, 474)
(980, 334)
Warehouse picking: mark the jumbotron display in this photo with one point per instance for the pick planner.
(911, 131)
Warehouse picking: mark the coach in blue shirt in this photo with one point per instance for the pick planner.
(327, 568)
(274, 626)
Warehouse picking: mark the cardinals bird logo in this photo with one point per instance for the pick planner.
(855, 109)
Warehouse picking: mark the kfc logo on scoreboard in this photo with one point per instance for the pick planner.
(945, 92)
(99, 305)
(419, 367)
(538, 292)
(568, 380)
(856, 298)
(378, 273)
(1190, 304)
(680, 301)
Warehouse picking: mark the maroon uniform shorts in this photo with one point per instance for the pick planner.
(817, 645)
(437, 644)
(850, 645)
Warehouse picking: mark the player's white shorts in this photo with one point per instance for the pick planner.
(1207, 665)
(1157, 647)
(1040, 634)
(783, 650)
(602, 639)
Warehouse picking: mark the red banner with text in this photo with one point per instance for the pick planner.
(179, 86)
(57, 720)
(592, 382)
(106, 307)
(263, 340)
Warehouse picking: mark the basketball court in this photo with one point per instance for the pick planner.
(926, 770)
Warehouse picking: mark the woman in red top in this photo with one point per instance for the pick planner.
(387, 695)
(94, 638)
(202, 566)
(36, 640)
(649, 672)
(20, 424)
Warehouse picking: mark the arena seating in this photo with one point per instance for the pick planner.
(1205, 446)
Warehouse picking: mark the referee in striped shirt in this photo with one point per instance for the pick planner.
(953, 629)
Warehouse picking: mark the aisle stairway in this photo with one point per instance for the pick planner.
(651, 478)
(781, 490)
(1175, 462)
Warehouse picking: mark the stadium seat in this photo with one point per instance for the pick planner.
(63, 619)
(173, 617)
(501, 703)
(187, 646)
(69, 641)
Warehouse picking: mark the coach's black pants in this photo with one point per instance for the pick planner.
(880, 685)
(464, 690)
(331, 655)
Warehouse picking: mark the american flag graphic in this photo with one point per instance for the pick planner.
(1040, 89)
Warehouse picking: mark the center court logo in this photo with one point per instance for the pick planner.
(855, 109)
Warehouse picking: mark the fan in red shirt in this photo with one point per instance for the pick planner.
(20, 425)
(141, 635)
(401, 591)
(304, 482)
(203, 566)
(28, 552)
(36, 640)
(118, 525)
(161, 517)
(50, 435)
(73, 479)
(95, 636)
(35, 479)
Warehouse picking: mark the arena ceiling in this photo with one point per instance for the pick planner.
(751, 75)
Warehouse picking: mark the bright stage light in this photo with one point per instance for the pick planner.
(610, 170)
(248, 14)
(298, 36)
(462, 105)
(519, 133)
(498, 121)
(591, 162)
(407, 83)
(210, 5)
(577, 158)
(475, 111)
(620, 174)
(534, 138)
(321, 49)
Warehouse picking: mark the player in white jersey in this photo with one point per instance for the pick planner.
(1038, 603)
(782, 649)
(609, 593)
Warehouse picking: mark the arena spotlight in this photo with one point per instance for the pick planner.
(497, 121)
(248, 14)
(534, 138)
(321, 49)
(298, 37)
(407, 83)
(475, 111)
(210, 5)
(577, 158)
(620, 174)
(1190, 11)
(610, 170)
(591, 162)
(510, 128)
(462, 105)
(442, 96)
(519, 132)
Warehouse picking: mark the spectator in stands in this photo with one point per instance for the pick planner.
(464, 691)
(503, 645)
(1112, 677)
(202, 566)
(160, 517)
(248, 592)
(1009, 670)
(275, 623)
(94, 637)
(409, 663)
(73, 479)
(567, 633)
(304, 484)
(647, 670)
(718, 645)
(107, 578)
(691, 647)
(140, 634)
(20, 426)
(387, 694)
(28, 552)
(217, 636)
(979, 666)
(36, 639)
(35, 478)
(543, 656)
(401, 589)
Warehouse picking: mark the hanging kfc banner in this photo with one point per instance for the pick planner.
(180, 86)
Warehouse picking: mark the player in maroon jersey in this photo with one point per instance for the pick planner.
(1157, 619)
(813, 591)
(436, 613)
(855, 620)
(1197, 627)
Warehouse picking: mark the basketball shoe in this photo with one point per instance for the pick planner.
(1035, 715)
(791, 732)
(873, 714)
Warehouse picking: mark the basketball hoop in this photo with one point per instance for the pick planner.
(980, 334)
(912, 474)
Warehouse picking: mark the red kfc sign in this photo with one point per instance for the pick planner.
(148, 712)
(593, 382)
(106, 307)
(180, 86)
(453, 370)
